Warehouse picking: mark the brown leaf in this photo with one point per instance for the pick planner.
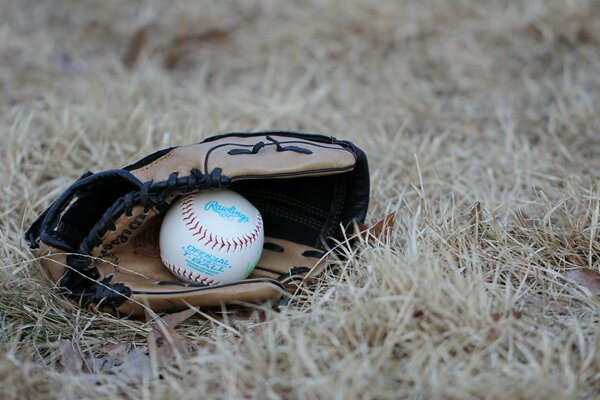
(516, 314)
(380, 230)
(576, 259)
(133, 366)
(584, 34)
(126, 367)
(534, 32)
(136, 44)
(211, 35)
(546, 305)
(99, 364)
(588, 278)
(172, 320)
(183, 44)
(138, 361)
(167, 343)
(70, 356)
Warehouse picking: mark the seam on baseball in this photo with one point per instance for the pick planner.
(196, 277)
(230, 244)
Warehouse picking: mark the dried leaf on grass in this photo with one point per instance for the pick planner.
(165, 342)
(175, 50)
(134, 365)
(547, 305)
(130, 366)
(70, 357)
(516, 314)
(183, 44)
(379, 231)
(588, 278)
(102, 364)
(136, 44)
(172, 320)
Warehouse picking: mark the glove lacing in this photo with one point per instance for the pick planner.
(261, 144)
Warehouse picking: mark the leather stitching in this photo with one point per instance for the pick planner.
(333, 146)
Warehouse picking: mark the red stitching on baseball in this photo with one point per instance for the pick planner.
(192, 221)
(204, 280)
(241, 242)
(198, 231)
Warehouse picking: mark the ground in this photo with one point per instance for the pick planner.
(481, 121)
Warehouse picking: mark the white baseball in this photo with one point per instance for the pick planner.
(211, 237)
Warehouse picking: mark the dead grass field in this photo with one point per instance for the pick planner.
(481, 121)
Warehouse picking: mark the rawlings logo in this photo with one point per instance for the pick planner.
(228, 213)
(204, 262)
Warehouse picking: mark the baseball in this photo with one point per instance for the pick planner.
(211, 237)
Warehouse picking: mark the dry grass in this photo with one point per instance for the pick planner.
(482, 125)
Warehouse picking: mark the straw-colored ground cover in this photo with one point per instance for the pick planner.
(481, 121)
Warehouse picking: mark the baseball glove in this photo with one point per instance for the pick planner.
(98, 241)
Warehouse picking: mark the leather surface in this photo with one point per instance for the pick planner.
(237, 293)
(273, 264)
(53, 261)
(328, 158)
